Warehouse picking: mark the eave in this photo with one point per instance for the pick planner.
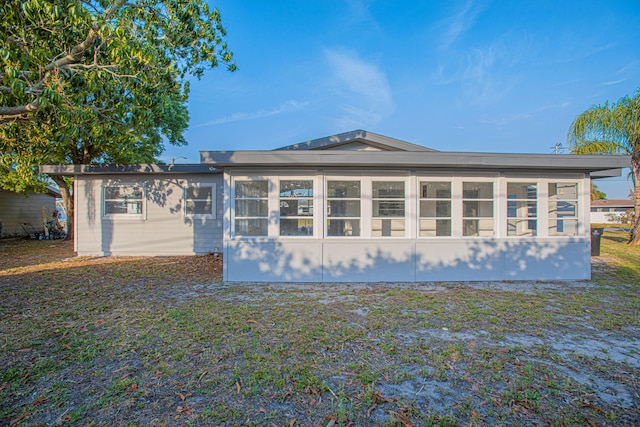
(180, 169)
(412, 160)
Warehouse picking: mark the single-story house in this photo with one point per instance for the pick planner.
(610, 211)
(350, 207)
(20, 213)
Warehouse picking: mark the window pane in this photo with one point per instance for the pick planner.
(122, 192)
(133, 207)
(343, 227)
(343, 189)
(563, 227)
(518, 190)
(435, 208)
(477, 227)
(387, 228)
(477, 209)
(298, 188)
(388, 190)
(560, 190)
(295, 207)
(566, 209)
(522, 227)
(251, 189)
(388, 208)
(203, 193)
(521, 209)
(432, 190)
(198, 207)
(251, 227)
(343, 208)
(477, 190)
(251, 208)
(296, 227)
(435, 227)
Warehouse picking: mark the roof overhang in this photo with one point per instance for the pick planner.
(600, 164)
(179, 169)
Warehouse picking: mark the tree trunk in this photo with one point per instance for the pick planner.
(67, 201)
(634, 237)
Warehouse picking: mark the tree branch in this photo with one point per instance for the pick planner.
(8, 114)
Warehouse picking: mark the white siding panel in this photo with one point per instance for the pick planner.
(273, 261)
(164, 229)
(19, 208)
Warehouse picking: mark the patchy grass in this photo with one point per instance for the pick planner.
(162, 341)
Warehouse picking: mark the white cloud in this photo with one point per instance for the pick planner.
(459, 23)
(362, 89)
(285, 107)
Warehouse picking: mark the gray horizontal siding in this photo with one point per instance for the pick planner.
(18, 208)
(163, 230)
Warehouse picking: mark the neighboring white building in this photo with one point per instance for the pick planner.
(20, 212)
(351, 207)
(610, 211)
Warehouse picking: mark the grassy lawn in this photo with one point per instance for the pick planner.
(162, 341)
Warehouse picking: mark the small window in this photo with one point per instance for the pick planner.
(388, 209)
(435, 209)
(343, 208)
(563, 209)
(251, 208)
(296, 208)
(477, 209)
(200, 201)
(123, 200)
(522, 205)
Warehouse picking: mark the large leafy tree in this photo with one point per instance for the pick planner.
(612, 128)
(98, 81)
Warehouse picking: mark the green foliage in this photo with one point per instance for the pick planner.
(98, 81)
(597, 194)
(612, 128)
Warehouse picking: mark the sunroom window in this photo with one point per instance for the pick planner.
(251, 208)
(522, 213)
(296, 208)
(563, 209)
(435, 209)
(124, 200)
(343, 208)
(477, 209)
(388, 209)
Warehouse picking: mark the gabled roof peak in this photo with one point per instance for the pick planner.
(361, 140)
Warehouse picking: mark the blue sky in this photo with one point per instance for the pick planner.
(501, 76)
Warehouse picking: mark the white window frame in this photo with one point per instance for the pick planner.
(579, 207)
(124, 215)
(233, 199)
(404, 199)
(459, 196)
(537, 218)
(360, 218)
(451, 217)
(314, 198)
(185, 198)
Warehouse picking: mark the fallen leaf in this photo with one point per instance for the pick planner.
(595, 408)
(292, 422)
(181, 396)
(238, 387)
(202, 375)
(20, 418)
(370, 410)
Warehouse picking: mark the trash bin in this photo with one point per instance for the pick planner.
(596, 235)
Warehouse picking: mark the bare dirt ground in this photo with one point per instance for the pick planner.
(162, 341)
